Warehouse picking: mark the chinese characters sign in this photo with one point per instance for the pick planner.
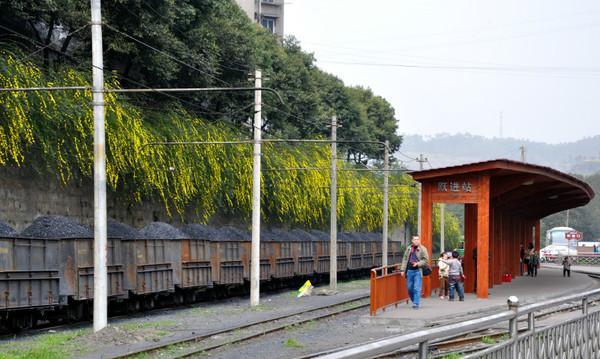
(455, 186)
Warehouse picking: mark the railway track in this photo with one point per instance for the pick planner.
(465, 343)
(213, 340)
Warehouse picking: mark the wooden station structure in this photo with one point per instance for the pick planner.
(504, 202)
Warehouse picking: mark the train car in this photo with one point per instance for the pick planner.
(48, 270)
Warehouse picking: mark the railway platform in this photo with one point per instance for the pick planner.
(434, 311)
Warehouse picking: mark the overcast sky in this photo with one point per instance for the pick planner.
(535, 62)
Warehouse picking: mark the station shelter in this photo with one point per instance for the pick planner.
(504, 202)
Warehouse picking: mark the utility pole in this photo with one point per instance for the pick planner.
(567, 218)
(442, 227)
(255, 261)
(522, 148)
(333, 216)
(421, 160)
(100, 271)
(384, 239)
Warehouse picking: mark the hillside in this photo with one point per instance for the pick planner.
(581, 157)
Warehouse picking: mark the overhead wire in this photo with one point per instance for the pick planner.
(524, 69)
(166, 54)
(161, 16)
(126, 78)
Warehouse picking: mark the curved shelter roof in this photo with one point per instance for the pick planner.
(526, 190)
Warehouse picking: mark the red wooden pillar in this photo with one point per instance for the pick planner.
(538, 236)
(427, 230)
(470, 243)
(492, 244)
(497, 252)
(483, 236)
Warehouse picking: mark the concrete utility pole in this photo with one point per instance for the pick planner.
(333, 216)
(384, 239)
(100, 271)
(522, 148)
(567, 218)
(421, 160)
(255, 262)
(442, 227)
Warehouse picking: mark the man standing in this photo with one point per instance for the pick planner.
(415, 258)
(566, 262)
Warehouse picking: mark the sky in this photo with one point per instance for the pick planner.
(465, 66)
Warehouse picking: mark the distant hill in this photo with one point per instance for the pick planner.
(581, 157)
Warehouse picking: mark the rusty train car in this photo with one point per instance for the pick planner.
(51, 279)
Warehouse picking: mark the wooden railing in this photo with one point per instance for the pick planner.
(388, 287)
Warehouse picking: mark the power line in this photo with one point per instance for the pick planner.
(50, 44)
(158, 14)
(525, 69)
(181, 62)
(120, 76)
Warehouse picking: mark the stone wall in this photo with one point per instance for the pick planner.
(25, 195)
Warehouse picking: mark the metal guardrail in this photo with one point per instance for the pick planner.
(591, 259)
(577, 338)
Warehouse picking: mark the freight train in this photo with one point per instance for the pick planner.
(47, 271)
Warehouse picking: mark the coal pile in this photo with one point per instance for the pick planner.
(371, 236)
(6, 230)
(56, 227)
(116, 229)
(198, 231)
(320, 235)
(268, 235)
(161, 230)
(301, 235)
(279, 234)
(350, 236)
(229, 233)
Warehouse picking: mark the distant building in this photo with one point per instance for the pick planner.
(269, 13)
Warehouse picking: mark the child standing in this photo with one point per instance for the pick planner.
(443, 270)
(455, 276)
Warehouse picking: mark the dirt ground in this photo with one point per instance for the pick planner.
(125, 334)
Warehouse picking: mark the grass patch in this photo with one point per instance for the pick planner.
(488, 340)
(203, 311)
(147, 325)
(260, 308)
(305, 326)
(453, 356)
(292, 343)
(359, 283)
(46, 346)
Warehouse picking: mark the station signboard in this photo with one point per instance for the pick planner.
(573, 236)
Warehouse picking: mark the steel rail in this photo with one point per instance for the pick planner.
(206, 335)
(423, 337)
(278, 328)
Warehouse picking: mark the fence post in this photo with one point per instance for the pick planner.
(513, 329)
(532, 338)
(373, 308)
(587, 337)
(423, 350)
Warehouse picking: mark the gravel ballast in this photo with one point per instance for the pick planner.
(56, 227)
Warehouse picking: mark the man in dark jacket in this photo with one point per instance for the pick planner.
(415, 258)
